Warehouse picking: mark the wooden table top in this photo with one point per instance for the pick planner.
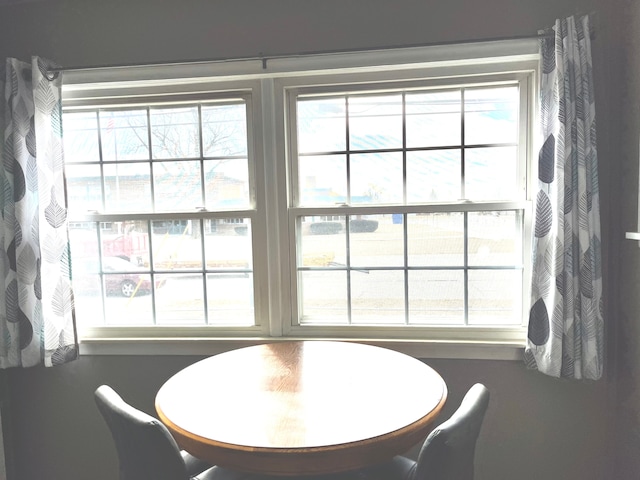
(308, 407)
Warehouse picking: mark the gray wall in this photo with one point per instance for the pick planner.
(90, 32)
(537, 427)
(627, 458)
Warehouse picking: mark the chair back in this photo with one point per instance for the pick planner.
(449, 450)
(146, 450)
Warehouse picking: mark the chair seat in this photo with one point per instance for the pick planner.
(193, 464)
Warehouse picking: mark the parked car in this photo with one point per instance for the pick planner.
(128, 280)
(121, 277)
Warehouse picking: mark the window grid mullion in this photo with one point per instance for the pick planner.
(205, 299)
(347, 144)
(202, 221)
(154, 310)
(203, 187)
(409, 149)
(465, 254)
(463, 150)
(151, 178)
(346, 217)
(405, 217)
(348, 268)
(103, 287)
(101, 158)
(150, 222)
(463, 190)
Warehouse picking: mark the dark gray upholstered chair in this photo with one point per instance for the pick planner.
(146, 449)
(449, 450)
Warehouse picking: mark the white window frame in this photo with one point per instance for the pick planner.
(289, 88)
(150, 93)
(270, 82)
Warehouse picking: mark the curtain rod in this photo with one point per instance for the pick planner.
(264, 58)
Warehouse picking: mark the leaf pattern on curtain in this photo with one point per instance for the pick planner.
(566, 326)
(37, 319)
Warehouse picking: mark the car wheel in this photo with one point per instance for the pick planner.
(127, 288)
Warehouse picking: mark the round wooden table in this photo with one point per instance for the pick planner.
(296, 408)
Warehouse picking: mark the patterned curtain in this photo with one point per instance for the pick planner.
(566, 327)
(37, 321)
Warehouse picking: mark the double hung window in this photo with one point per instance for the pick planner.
(161, 198)
(299, 200)
(409, 205)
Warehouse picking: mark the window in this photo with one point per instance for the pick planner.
(169, 185)
(302, 200)
(388, 159)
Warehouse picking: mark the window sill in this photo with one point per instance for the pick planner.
(477, 350)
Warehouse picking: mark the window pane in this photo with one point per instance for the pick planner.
(436, 297)
(230, 299)
(433, 176)
(127, 187)
(321, 125)
(495, 297)
(175, 132)
(323, 241)
(433, 119)
(227, 183)
(133, 311)
(435, 239)
(81, 137)
(376, 241)
(323, 179)
(127, 240)
(495, 238)
(228, 244)
(376, 178)
(177, 244)
(86, 280)
(124, 135)
(84, 187)
(224, 130)
(377, 297)
(177, 185)
(323, 297)
(87, 296)
(375, 122)
(491, 115)
(491, 173)
(181, 301)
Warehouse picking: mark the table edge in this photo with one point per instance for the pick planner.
(344, 456)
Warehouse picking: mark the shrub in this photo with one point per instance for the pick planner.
(325, 228)
(363, 226)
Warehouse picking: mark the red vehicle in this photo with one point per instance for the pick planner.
(133, 247)
(129, 279)
(120, 276)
